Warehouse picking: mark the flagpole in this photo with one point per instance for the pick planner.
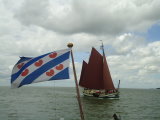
(70, 45)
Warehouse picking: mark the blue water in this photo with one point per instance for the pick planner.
(50, 103)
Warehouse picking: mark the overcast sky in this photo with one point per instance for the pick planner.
(130, 30)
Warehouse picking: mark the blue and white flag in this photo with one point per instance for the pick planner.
(50, 66)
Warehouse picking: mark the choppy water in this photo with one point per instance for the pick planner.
(42, 103)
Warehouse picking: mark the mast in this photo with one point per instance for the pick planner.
(102, 47)
(70, 45)
(107, 79)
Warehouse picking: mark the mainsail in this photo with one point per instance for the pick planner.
(95, 74)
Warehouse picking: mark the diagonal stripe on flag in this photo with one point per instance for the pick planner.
(16, 75)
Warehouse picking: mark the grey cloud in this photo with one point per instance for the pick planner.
(86, 16)
(33, 12)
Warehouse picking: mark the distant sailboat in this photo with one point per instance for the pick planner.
(95, 77)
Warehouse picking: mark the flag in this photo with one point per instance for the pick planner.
(50, 66)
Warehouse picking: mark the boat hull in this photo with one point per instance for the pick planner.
(108, 96)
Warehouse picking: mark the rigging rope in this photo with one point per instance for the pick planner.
(54, 95)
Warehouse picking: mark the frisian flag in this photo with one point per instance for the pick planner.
(50, 66)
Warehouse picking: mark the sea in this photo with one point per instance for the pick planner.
(60, 103)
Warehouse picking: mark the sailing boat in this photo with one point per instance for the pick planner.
(95, 77)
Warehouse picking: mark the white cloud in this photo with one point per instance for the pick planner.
(127, 42)
(105, 17)
(139, 65)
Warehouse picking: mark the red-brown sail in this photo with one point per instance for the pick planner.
(82, 81)
(93, 73)
(96, 74)
(108, 84)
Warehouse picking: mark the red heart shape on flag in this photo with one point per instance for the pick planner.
(38, 63)
(53, 55)
(19, 66)
(25, 72)
(50, 73)
(59, 67)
